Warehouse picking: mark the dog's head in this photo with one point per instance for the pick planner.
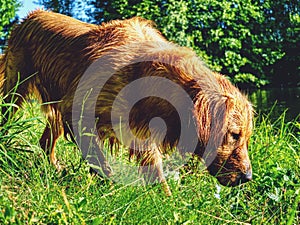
(232, 165)
(225, 126)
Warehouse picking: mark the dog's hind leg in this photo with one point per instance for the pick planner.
(52, 132)
(16, 79)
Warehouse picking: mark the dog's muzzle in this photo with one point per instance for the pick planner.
(245, 177)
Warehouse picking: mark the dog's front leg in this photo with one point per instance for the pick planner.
(152, 168)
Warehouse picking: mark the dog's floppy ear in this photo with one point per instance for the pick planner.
(220, 109)
(229, 101)
(213, 114)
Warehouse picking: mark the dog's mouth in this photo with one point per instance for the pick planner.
(231, 178)
(234, 179)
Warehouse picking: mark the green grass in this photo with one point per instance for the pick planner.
(33, 192)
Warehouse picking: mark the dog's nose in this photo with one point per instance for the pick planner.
(247, 176)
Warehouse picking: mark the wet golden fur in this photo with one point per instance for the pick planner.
(59, 49)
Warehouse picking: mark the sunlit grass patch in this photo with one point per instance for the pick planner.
(33, 192)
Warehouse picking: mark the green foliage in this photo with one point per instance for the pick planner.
(254, 42)
(281, 27)
(247, 40)
(247, 79)
(67, 7)
(33, 192)
(7, 14)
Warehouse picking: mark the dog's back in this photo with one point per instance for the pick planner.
(58, 49)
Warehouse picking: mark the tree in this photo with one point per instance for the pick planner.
(218, 31)
(228, 32)
(67, 7)
(282, 22)
(8, 18)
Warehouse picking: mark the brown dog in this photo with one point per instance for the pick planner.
(59, 50)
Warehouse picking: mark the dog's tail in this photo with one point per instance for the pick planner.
(2, 71)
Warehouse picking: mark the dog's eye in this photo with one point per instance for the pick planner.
(235, 136)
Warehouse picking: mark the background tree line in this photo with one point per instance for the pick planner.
(254, 42)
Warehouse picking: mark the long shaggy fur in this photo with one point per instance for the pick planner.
(59, 49)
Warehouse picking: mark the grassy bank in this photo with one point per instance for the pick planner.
(32, 192)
